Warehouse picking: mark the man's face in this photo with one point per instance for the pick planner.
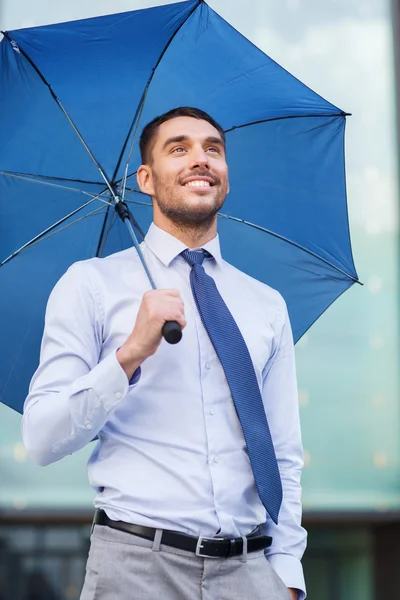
(188, 175)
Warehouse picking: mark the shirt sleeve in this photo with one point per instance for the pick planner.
(280, 398)
(72, 392)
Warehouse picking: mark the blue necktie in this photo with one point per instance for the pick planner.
(235, 359)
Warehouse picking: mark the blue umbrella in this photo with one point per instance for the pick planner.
(73, 99)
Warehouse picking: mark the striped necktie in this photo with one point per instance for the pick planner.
(235, 359)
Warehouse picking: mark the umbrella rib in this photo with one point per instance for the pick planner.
(133, 191)
(285, 239)
(24, 177)
(139, 109)
(119, 181)
(277, 235)
(51, 177)
(139, 203)
(74, 127)
(45, 231)
(53, 233)
(339, 114)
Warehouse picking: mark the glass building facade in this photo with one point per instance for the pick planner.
(348, 363)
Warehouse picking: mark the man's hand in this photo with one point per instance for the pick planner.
(157, 307)
(293, 594)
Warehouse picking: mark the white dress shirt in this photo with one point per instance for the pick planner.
(170, 452)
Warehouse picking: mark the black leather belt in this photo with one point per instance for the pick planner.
(201, 546)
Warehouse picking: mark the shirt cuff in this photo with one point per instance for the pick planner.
(109, 382)
(290, 570)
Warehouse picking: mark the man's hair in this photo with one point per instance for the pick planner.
(150, 130)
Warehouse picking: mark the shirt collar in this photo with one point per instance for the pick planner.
(167, 247)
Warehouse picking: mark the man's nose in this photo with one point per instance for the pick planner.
(199, 158)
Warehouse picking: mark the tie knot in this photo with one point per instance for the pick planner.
(195, 257)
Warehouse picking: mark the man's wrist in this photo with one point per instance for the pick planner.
(294, 594)
(129, 359)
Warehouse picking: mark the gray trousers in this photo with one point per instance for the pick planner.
(122, 566)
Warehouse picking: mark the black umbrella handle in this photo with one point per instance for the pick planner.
(172, 332)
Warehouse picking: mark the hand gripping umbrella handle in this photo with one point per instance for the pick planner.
(172, 332)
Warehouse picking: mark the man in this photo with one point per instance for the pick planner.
(189, 483)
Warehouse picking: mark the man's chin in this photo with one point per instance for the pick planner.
(192, 218)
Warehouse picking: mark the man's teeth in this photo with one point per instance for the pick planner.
(198, 184)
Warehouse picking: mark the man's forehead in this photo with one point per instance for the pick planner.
(186, 126)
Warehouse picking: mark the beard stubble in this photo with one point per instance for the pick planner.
(178, 209)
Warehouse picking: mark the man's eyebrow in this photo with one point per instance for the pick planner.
(184, 138)
(174, 140)
(215, 140)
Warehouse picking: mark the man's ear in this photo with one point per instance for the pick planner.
(145, 180)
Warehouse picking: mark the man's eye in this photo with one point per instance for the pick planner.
(213, 149)
(179, 149)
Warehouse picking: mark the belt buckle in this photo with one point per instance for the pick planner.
(199, 545)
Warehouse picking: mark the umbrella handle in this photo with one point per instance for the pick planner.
(172, 332)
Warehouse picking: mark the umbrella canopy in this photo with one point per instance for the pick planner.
(73, 99)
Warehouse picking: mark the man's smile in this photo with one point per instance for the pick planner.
(198, 183)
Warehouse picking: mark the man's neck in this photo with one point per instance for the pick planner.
(192, 237)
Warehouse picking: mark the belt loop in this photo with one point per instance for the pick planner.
(243, 558)
(157, 540)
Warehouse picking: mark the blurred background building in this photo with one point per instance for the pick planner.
(348, 364)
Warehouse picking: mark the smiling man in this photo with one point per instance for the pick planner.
(198, 460)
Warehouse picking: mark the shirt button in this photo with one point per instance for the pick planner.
(208, 366)
(88, 426)
(212, 411)
(118, 395)
(215, 459)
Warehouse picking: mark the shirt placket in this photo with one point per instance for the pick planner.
(212, 381)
